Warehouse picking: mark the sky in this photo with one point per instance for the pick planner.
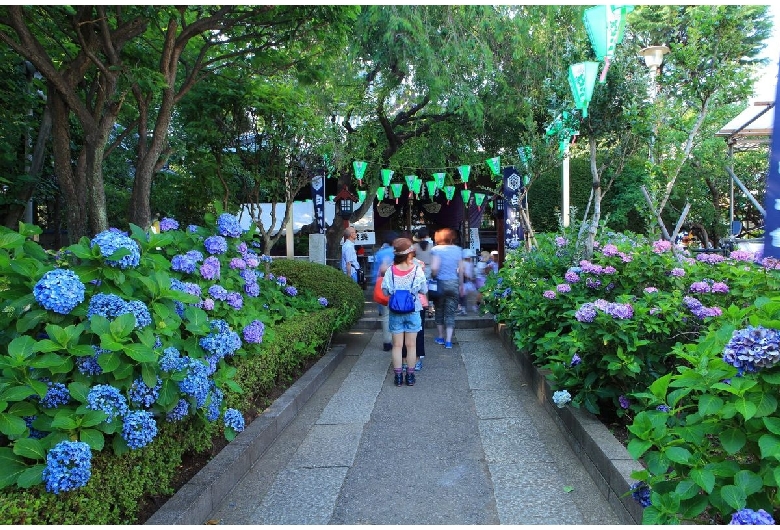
(765, 90)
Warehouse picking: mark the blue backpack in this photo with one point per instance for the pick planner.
(402, 300)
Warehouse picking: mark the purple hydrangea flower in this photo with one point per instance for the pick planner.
(677, 272)
(742, 255)
(291, 291)
(753, 348)
(575, 360)
(699, 287)
(192, 228)
(207, 304)
(641, 493)
(609, 250)
(253, 332)
(609, 269)
(651, 290)
(252, 289)
(563, 288)
(592, 283)
(720, 287)
(167, 224)
(661, 246)
(571, 277)
(217, 292)
(625, 258)
(561, 241)
(620, 311)
(235, 300)
(323, 301)
(237, 263)
(752, 517)
(586, 313)
(624, 402)
(712, 259)
(210, 268)
(549, 294)
(215, 245)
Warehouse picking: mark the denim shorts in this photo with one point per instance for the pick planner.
(405, 322)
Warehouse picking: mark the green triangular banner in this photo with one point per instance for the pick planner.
(449, 192)
(397, 188)
(431, 185)
(380, 193)
(410, 181)
(387, 174)
(465, 194)
(360, 168)
(495, 165)
(439, 178)
(361, 195)
(417, 185)
(464, 172)
(479, 198)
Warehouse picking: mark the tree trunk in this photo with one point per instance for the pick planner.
(593, 225)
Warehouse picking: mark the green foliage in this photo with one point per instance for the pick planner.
(43, 345)
(715, 450)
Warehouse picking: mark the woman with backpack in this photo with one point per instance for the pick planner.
(404, 282)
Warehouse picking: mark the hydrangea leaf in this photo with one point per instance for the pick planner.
(92, 418)
(772, 424)
(11, 425)
(21, 348)
(31, 319)
(680, 455)
(733, 496)
(64, 420)
(769, 445)
(30, 448)
(746, 407)
(79, 391)
(93, 438)
(16, 393)
(732, 440)
(704, 478)
(31, 476)
(11, 466)
(11, 240)
(109, 361)
(122, 326)
(749, 481)
(148, 371)
(141, 354)
(169, 393)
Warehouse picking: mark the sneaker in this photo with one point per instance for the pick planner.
(439, 340)
(448, 345)
(410, 379)
(387, 346)
(418, 365)
(461, 312)
(399, 379)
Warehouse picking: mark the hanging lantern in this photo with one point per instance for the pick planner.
(431, 185)
(361, 196)
(479, 198)
(410, 184)
(464, 175)
(360, 169)
(582, 78)
(380, 194)
(465, 195)
(387, 174)
(605, 25)
(439, 178)
(331, 198)
(398, 188)
(417, 186)
(495, 165)
(449, 192)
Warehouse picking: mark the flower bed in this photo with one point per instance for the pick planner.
(128, 351)
(662, 341)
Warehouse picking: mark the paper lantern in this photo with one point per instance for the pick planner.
(495, 165)
(465, 195)
(398, 188)
(582, 79)
(439, 178)
(431, 185)
(380, 194)
(361, 195)
(387, 174)
(449, 192)
(360, 169)
(479, 198)
(464, 175)
(331, 198)
(605, 25)
(417, 185)
(410, 184)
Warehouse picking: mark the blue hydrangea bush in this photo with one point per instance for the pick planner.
(682, 348)
(107, 341)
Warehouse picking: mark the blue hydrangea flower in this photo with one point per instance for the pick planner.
(142, 316)
(179, 412)
(68, 466)
(139, 428)
(89, 365)
(663, 408)
(192, 228)
(291, 291)
(561, 397)
(252, 289)
(640, 492)
(586, 313)
(234, 420)
(59, 290)
(235, 300)
(110, 241)
(228, 225)
(56, 395)
(34, 433)
(182, 263)
(217, 292)
(108, 399)
(207, 304)
(253, 332)
(196, 383)
(215, 404)
(168, 224)
(141, 395)
(112, 306)
(171, 360)
(750, 516)
(215, 245)
(323, 301)
(237, 264)
(210, 268)
(575, 360)
(624, 402)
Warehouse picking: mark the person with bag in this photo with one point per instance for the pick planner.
(447, 269)
(383, 258)
(403, 282)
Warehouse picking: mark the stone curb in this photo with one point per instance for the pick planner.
(197, 499)
(606, 459)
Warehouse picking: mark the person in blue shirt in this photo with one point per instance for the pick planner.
(447, 267)
(349, 261)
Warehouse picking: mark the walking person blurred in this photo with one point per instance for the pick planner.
(447, 268)
(382, 260)
(404, 275)
(349, 260)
